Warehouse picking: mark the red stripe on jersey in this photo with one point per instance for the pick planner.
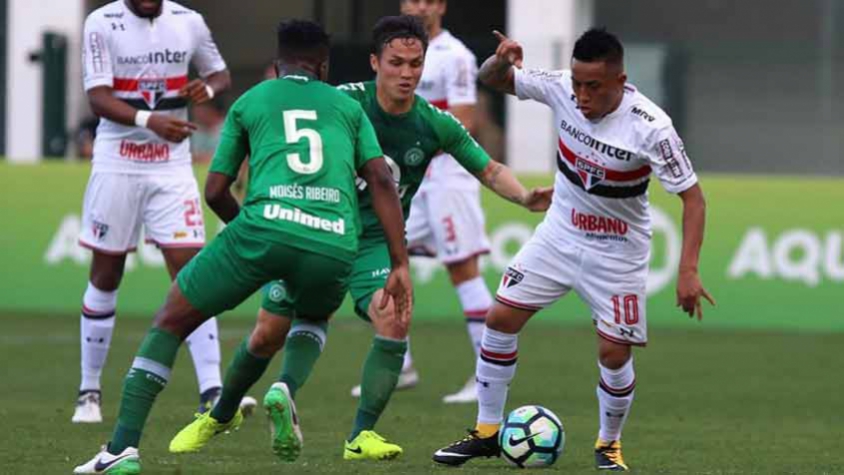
(128, 84)
(440, 104)
(613, 175)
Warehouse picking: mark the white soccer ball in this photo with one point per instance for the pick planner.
(532, 436)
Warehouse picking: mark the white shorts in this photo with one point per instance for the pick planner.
(613, 287)
(116, 205)
(447, 224)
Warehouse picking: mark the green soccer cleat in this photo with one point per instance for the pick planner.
(286, 435)
(370, 446)
(194, 437)
(125, 463)
(608, 456)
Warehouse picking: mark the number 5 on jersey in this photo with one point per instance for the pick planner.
(292, 134)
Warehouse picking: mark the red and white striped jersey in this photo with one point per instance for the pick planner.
(449, 79)
(604, 166)
(145, 61)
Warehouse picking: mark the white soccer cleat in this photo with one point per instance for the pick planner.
(127, 462)
(408, 378)
(468, 393)
(87, 408)
(248, 405)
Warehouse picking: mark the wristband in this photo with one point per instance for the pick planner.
(142, 118)
(210, 91)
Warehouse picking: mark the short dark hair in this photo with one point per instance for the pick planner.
(390, 28)
(302, 40)
(597, 44)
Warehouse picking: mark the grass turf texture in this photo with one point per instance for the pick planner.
(707, 401)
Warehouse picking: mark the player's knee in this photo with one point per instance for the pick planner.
(505, 319)
(613, 355)
(385, 322)
(264, 343)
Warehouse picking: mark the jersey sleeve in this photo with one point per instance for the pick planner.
(366, 142)
(668, 159)
(536, 84)
(233, 147)
(207, 57)
(457, 142)
(96, 57)
(461, 80)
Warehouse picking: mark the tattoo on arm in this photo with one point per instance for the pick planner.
(494, 73)
(491, 178)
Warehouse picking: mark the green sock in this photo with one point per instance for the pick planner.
(301, 351)
(244, 371)
(380, 375)
(147, 377)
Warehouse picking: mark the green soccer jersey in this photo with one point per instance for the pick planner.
(410, 141)
(305, 140)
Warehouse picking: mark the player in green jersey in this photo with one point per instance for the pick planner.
(411, 132)
(299, 222)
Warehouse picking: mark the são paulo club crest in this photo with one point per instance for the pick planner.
(513, 276)
(590, 173)
(152, 89)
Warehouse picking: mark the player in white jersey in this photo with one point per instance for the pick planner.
(135, 57)
(446, 219)
(596, 237)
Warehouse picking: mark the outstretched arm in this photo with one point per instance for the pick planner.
(497, 71)
(219, 197)
(501, 180)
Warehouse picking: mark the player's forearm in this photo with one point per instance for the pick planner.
(104, 104)
(219, 197)
(694, 221)
(496, 73)
(386, 204)
(220, 81)
(501, 180)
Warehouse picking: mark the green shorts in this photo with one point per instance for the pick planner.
(369, 273)
(243, 258)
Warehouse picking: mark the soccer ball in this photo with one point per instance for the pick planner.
(532, 436)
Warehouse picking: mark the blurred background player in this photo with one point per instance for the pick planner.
(303, 135)
(596, 237)
(136, 55)
(446, 219)
(208, 117)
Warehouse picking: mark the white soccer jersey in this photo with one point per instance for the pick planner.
(146, 63)
(600, 190)
(449, 79)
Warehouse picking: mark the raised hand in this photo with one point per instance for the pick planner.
(509, 50)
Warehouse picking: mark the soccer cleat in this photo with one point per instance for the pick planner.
(468, 393)
(408, 378)
(88, 408)
(370, 446)
(208, 399)
(125, 463)
(608, 456)
(286, 435)
(468, 448)
(196, 434)
(247, 406)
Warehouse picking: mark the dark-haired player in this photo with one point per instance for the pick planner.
(136, 55)
(299, 222)
(411, 132)
(595, 239)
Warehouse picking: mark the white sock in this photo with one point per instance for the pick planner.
(476, 301)
(615, 395)
(496, 368)
(204, 345)
(408, 360)
(96, 326)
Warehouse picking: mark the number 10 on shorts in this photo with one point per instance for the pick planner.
(630, 305)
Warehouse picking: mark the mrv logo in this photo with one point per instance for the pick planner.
(298, 216)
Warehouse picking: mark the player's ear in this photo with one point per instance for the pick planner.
(323, 71)
(373, 62)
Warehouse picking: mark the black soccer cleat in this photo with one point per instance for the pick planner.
(608, 456)
(468, 448)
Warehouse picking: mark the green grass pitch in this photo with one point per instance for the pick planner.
(708, 402)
